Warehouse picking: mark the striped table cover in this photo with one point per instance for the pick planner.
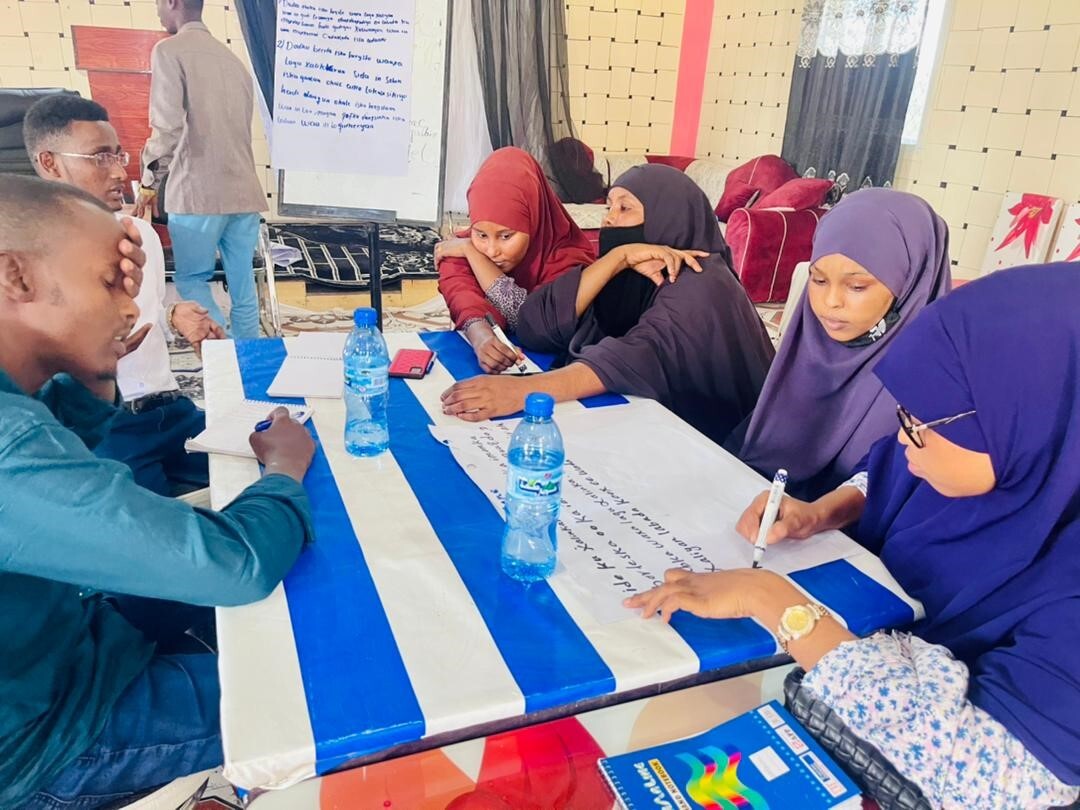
(397, 625)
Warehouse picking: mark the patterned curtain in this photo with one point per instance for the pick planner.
(521, 46)
(853, 74)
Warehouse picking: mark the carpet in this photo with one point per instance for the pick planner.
(336, 256)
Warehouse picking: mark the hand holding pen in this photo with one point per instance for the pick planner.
(500, 335)
(283, 446)
(795, 519)
(768, 517)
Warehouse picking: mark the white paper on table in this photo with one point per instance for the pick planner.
(318, 345)
(642, 493)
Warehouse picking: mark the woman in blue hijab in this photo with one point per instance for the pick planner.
(880, 256)
(975, 510)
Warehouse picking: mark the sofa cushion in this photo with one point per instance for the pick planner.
(766, 245)
(737, 194)
(767, 173)
(797, 194)
(619, 163)
(587, 216)
(675, 161)
(600, 163)
(711, 176)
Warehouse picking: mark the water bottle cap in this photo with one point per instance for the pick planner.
(542, 405)
(364, 316)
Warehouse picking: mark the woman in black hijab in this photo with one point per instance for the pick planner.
(691, 340)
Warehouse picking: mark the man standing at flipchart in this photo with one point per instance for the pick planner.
(201, 103)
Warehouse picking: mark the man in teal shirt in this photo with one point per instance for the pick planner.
(89, 710)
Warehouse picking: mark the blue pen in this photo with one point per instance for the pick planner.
(266, 423)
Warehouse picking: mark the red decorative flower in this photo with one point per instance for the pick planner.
(1029, 215)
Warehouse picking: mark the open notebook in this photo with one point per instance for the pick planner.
(313, 367)
(230, 431)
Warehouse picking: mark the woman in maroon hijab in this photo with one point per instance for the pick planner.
(521, 237)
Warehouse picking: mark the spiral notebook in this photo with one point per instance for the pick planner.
(313, 367)
(759, 760)
(231, 429)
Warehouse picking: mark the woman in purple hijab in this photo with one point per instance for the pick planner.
(879, 257)
(631, 323)
(974, 507)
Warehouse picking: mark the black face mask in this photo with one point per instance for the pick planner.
(611, 238)
(877, 332)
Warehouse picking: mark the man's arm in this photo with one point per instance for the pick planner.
(71, 517)
(86, 411)
(167, 116)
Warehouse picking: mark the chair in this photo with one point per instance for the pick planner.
(13, 107)
(180, 794)
(198, 497)
(798, 283)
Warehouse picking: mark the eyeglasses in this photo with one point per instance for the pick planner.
(914, 431)
(102, 159)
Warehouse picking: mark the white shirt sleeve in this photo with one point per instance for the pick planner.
(148, 369)
(860, 480)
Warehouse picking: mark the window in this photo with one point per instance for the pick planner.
(929, 52)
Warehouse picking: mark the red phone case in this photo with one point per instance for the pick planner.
(412, 364)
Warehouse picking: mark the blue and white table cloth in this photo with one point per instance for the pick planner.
(397, 624)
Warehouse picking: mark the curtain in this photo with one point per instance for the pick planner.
(467, 140)
(853, 74)
(521, 50)
(258, 21)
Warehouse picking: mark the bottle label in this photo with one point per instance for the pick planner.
(533, 484)
(368, 382)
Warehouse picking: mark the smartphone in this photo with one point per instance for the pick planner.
(412, 364)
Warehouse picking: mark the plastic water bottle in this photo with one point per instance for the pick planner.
(367, 387)
(533, 488)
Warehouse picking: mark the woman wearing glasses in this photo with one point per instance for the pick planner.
(975, 510)
(878, 259)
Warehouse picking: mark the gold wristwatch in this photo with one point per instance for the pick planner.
(798, 621)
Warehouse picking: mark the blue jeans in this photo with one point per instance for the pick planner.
(165, 725)
(196, 240)
(152, 444)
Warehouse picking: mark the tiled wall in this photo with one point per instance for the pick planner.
(1003, 111)
(36, 46)
(751, 54)
(624, 65)
(623, 69)
(1003, 115)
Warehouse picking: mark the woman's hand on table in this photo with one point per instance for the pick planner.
(753, 593)
(735, 594)
(482, 398)
(285, 447)
(493, 355)
(651, 261)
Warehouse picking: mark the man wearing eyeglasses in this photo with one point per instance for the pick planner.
(70, 140)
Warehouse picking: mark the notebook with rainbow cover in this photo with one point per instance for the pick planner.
(761, 760)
